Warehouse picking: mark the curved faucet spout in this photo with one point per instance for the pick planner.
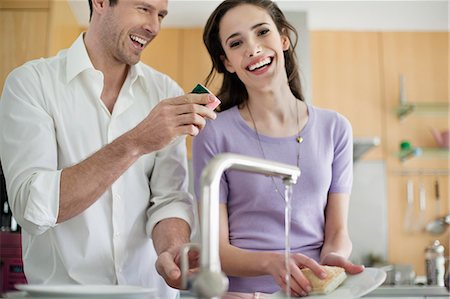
(210, 181)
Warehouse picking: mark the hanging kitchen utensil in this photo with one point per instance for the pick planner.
(422, 207)
(409, 213)
(437, 199)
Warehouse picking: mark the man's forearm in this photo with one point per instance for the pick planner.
(169, 234)
(82, 184)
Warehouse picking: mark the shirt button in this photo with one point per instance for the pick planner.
(116, 197)
(116, 235)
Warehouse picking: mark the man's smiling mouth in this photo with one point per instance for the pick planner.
(138, 40)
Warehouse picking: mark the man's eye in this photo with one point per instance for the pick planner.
(143, 9)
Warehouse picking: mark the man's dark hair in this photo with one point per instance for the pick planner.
(111, 3)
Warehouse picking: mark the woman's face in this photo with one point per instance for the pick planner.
(252, 44)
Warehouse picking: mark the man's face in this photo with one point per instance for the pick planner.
(129, 26)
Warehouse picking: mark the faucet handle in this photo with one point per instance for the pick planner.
(184, 263)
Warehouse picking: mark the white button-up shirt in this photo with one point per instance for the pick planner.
(52, 117)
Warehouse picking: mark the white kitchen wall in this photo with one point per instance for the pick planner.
(368, 211)
(379, 15)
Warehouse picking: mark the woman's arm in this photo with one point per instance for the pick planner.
(337, 245)
(239, 262)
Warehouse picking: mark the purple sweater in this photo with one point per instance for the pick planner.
(255, 209)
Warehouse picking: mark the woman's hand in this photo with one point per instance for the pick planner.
(299, 284)
(334, 259)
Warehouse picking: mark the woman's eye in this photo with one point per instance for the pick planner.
(264, 32)
(234, 44)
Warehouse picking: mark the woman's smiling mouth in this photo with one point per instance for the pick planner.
(262, 63)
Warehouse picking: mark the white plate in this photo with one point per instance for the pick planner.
(87, 291)
(354, 286)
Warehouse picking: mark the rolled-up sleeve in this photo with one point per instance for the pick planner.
(28, 152)
(169, 186)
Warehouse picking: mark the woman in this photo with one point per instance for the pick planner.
(263, 114)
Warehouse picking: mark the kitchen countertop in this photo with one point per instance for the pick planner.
(404, 291)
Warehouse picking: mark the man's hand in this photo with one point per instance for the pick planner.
(183, 115)
(168, 266)
(333, 259)
(169, 235)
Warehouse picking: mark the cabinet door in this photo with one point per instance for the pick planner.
(346, 78)
(196, 61)
(23, 33)
(422, 58)
(164, 53)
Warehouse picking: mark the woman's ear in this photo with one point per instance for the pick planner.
(227, 64)
(285, 43)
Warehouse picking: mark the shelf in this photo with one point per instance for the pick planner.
(362, 145)
(423, 108)
(405, 108)
(432, 152)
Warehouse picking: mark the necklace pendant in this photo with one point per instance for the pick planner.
(299, 139)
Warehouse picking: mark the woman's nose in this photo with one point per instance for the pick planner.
(253, 49)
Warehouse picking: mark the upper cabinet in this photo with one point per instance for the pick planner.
(33, 29)
(346, 78)
(181, 54)
(415, 71)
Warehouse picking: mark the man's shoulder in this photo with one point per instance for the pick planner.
(37, 68)
(154, 73)
(156, 78)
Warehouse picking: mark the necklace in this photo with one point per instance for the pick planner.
(299, 140)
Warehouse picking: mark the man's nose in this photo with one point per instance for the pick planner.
(152, 25)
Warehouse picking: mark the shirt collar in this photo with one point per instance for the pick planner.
(78, 60)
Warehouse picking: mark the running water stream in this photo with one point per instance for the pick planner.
(287, 233)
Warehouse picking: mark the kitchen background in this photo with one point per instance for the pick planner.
(383, 64)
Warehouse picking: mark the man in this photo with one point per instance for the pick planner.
(92, 147)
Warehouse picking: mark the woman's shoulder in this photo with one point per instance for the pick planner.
(225, 119)
(222, 125)
(328, 116)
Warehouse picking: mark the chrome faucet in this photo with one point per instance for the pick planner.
(211, 282)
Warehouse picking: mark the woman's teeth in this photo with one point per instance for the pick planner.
(259, 64)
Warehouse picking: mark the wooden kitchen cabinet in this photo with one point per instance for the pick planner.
(24, 36)
(422, 58)
(181, 54)
(33, 29)
(346, 77)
